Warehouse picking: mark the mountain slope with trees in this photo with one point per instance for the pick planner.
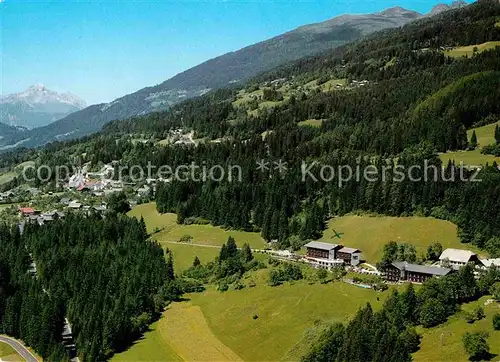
(415, 102)
(229, 69)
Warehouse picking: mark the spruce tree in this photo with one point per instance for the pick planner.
(196, 262)
(473, 140)
(232, 249)
(497, 134)
(246, 253)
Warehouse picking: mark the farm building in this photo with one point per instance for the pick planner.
(458, 257)
(403, 271)
(490, 262)
(26, 211)
(75, 205)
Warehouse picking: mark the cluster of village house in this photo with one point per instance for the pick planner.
(99, 183)
(31, 215)
(327, 256)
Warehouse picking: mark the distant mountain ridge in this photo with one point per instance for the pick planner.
(37, 106)
(231, 68)
(444, 7)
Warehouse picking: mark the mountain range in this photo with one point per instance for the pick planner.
(37, 106)
(231, 68)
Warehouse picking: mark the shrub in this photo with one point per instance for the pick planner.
(223, 287)
(495, 291)
(496, 322)
(380, 286)
(469, 317)
(186, 239)
(479, 313)
(189, 285)
(238, 286)
(476, 345)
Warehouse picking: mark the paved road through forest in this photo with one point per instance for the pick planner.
(23, 351)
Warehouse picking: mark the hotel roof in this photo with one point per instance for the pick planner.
(322, 246)
(421, 268)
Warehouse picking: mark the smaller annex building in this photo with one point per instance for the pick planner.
(403, 271)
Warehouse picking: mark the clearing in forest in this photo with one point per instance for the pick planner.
(168, 231)
(371, 233)
(469, 49)
(485, 136)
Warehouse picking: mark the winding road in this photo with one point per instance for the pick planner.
(19, 348)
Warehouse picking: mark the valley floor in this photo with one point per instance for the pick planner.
(264, 323)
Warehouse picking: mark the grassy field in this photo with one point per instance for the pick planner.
(209, 235)
(152, 218)
(153, 346)
(470, 158)
(311, 122)
(469, 50)
(444, 342)
(285, 314)
(220, 326)
(182, 334)
(7, 177)
(370, 234)
(165, 142)
(332, 83)
(7, 353)
(201, 234)
(244, 97)
(171, 232)
(185, 254)
(485, 136)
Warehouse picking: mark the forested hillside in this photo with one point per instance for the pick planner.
(415, 102)
(102, 274)
(392, 101)
(233, 68)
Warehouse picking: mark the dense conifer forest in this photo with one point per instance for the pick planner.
(104, 275)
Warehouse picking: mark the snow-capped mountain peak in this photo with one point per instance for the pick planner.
(39, 94)
(37, 106)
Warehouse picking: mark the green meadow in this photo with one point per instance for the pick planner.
(485, 136)
(444, 342)
(7, 353)
(311, 122)
(222, 325)
(168, 233)
(371, 233)
(468, 51)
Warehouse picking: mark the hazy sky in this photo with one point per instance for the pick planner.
(101, 50)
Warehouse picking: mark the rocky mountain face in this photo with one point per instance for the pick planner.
(37, 106)
(444, 7)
